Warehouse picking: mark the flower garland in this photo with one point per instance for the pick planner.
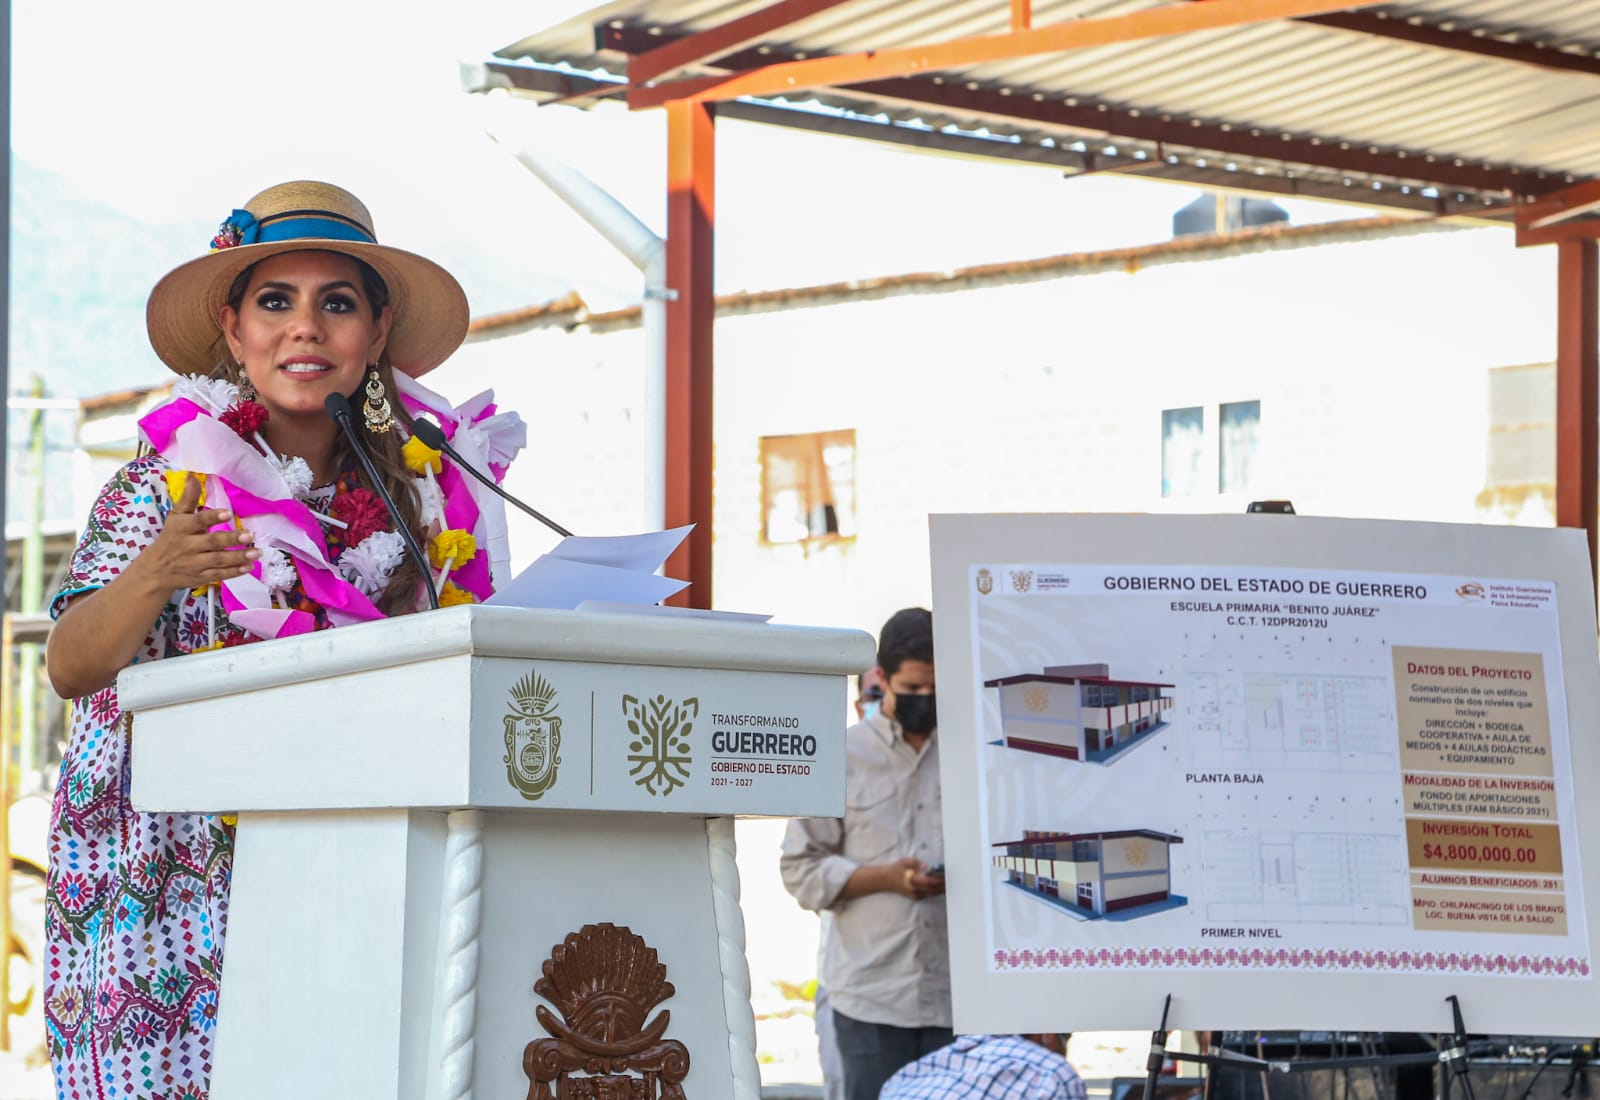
(205, 428)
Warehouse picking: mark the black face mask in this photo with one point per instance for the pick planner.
(916, 714)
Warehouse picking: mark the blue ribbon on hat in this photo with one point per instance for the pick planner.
(242, 227)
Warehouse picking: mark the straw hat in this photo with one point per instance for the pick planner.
(429, 307)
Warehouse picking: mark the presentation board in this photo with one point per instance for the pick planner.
(1299, 773)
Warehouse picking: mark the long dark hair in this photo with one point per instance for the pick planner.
(405, 584)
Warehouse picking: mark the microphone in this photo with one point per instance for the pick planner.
(338, 406)
(433, 436)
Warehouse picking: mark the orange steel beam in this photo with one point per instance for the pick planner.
(1021, 15)
(710, 44)
(1559, 206)
(1577, 385)
(793, 77)
(1564, 215)
(1580, 229)
(691, 222)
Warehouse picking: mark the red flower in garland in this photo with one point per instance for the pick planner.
(245, 418)
(362, 513)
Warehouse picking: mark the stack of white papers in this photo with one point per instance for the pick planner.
(616, 570)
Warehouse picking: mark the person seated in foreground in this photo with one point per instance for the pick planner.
(990, 1067)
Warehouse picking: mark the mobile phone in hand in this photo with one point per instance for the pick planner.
(936, 869)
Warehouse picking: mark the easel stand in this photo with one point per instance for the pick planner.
(1453, 1056)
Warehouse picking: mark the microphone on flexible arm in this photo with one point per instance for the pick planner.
(431, 434)
(338, 406)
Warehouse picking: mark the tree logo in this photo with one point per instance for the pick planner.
(658, 746)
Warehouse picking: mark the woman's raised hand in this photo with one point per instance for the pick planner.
(99, 633)
(187, 554)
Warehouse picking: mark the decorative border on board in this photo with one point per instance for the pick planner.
(1180, 958)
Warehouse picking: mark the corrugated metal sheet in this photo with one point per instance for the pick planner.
(1297, 80)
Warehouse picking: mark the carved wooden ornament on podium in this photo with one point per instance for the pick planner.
(604, 980)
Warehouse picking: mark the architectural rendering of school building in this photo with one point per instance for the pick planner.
(1097, 873)
(1078, 711)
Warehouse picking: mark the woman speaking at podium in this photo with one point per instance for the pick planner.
(252, 515)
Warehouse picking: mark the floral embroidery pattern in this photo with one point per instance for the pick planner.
(138, 903)
(137, 907)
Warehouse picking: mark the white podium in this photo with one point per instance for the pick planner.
(489, 850)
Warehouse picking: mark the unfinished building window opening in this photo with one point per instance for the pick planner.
(808, 487)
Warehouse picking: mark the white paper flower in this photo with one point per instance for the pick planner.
(212, 394)
(369, 564)
(500, 437)
(277, 571)
(295, 473)
(430, 503)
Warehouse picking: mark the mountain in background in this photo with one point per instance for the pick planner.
(80, 272)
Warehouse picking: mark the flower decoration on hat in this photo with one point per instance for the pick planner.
(238, 229)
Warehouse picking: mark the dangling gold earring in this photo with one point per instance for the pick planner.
(247, 392)
(380, 418)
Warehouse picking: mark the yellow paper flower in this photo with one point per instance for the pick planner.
(419, 456)
(178, 480)
(453, 543)
(451, 596)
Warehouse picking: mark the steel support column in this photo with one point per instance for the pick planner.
(691, 311)
(1577, 383)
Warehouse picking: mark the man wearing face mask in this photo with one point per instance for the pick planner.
(879, 872)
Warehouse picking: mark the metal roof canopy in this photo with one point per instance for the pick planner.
(1443, 107)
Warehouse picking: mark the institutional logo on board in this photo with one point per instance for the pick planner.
(658, 745)
(1472, 592)
(533, 736)
(1036, 697)
(985, 582)
(1022, 580)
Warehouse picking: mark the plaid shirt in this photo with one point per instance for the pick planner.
(987, 1067)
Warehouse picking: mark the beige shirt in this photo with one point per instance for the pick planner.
(886, 958)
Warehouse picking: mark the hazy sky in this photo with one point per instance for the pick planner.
(179, 110)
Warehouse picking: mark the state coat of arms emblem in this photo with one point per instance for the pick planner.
(533, 736)
(985, 582)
